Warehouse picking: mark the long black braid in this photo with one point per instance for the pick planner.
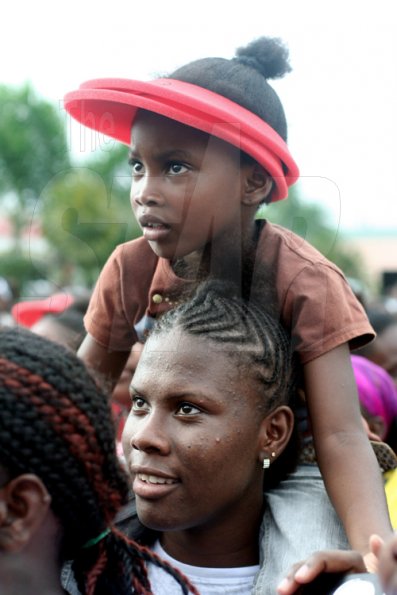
(56, 422)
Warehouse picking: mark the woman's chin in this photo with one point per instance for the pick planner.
(157, 521)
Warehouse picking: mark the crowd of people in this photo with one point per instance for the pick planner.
(218, 415)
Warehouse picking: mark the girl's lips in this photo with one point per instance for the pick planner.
(155, 232)
(153, 487)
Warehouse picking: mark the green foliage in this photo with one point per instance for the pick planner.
(32, 142)
(112, 166)
(81, 221)
(19, 269)
(32, 150)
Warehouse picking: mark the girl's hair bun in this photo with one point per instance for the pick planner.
(267, 55)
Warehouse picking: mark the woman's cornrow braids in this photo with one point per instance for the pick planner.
(253, 336)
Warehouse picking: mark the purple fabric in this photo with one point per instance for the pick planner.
(376, 389)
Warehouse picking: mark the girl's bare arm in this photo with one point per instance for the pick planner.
(107, 363)
(345, 456)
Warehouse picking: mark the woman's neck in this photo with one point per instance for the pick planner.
(229, 541)
(195, 548)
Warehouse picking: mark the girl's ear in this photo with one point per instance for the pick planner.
(275, 432)
(24, 504)
(257, 184)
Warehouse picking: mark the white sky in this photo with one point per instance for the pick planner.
(340, 99)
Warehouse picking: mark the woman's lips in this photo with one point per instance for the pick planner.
(153, 486)
(156, 479)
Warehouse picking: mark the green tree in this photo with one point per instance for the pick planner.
(82, 223)
(33, 149)
(112, 166)
(19, 270)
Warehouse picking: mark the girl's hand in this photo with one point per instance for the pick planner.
(329, 561)
(371, 561)
(386, 552)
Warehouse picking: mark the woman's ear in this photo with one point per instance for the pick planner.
(274, 435)
(24, 504)
(257, 184)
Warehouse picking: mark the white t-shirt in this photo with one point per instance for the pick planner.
(208, 581)
(356, 586)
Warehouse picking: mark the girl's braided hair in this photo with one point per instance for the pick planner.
(56, 423)
(252, 335)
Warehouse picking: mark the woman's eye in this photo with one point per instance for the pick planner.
(136, 167)
(187, 409)
(139, 404)
(176, 168)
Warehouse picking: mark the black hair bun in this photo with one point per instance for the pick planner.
(267, 55)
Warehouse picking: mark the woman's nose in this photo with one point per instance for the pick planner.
(146, 191)
(149, 434)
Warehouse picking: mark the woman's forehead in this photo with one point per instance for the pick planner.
(180, 352)
(176, 360)
(179, 342)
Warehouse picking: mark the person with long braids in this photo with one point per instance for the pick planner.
(61, 484)
(207, 149)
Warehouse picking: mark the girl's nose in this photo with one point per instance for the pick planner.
(146, 191)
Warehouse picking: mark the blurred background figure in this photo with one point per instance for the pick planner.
(378, 399)
(383, 350)
(66, 328)
(359, 289)
(58, 317)
(6, 318)
(378, 402)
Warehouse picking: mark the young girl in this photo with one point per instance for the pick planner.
(60, 480)
(207, 148)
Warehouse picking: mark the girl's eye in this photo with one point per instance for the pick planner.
(176, 168)
(136, 167)
(187, 409)
(139, 404)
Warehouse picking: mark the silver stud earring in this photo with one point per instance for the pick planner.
(266, 463)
